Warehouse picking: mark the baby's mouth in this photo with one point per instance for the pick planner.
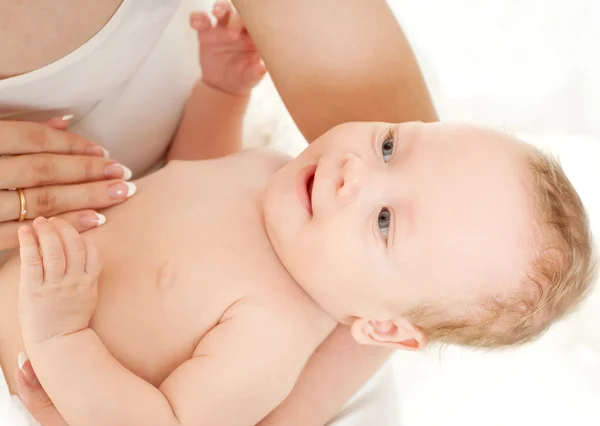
(309, 188)
(304, 187)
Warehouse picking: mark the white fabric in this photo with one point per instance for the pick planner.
(126, 85)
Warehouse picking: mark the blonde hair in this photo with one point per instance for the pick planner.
(560, 275)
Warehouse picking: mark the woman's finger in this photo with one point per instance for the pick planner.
(35, 399)
(23, 137)
(26, 171)
(53, 200)
(82, 220)
(60, 123)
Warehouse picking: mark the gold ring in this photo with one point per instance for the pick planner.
(23, 202)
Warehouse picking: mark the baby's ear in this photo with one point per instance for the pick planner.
(397, 333)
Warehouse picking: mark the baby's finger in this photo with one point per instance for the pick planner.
(222, 11)
(73, 247)
(93, 264)
(53, 254)
(236, 22)
(200, 21)
(31, 261)
(255, 72)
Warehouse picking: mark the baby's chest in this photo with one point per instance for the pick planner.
(156, 307)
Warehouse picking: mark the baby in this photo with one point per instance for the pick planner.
(221, 277)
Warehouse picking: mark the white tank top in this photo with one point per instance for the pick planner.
(126, 86)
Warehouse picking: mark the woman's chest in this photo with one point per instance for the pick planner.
(35, 33)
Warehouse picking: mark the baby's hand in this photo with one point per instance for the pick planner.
(59, 272)
(228, 56)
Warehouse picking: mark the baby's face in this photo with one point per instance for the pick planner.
(400, 215)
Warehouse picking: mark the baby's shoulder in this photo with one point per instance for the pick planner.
(278, 325)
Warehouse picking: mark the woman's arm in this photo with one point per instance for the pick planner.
(336, 61)
(332, 62)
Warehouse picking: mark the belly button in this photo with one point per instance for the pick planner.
(166, 276)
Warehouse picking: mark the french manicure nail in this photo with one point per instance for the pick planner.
(28, 374)
(96, 150)
(105, 152)
(22, 359)
(67, 117)
(117, 171)
(122, 190)
(89, 221)
(131, 188)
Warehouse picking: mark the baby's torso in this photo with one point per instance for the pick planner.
(189, 245)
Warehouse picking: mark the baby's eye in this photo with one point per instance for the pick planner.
(387, 149)
(383, 221)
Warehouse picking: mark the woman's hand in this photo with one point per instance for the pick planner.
(59, 174)
(33, 396)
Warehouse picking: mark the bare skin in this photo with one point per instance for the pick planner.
(331, 383)
(170, 284)
(50, 29)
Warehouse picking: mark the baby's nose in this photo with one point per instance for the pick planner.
(351, 177)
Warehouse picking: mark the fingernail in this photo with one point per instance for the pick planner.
(28, 373)
(122, 190)
(22, 359)
(40, 221)
(67, 117)
(89, 221)
(117, 171)
(97, 150)
(131, 188)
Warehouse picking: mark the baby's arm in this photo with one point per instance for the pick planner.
(239, 372)
(211, 126)
(57, 297)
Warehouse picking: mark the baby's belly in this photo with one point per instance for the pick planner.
(161, 287)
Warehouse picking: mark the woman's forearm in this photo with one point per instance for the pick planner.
(338, 60)
(211, 125)
(337, 369)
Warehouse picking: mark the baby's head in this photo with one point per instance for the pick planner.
(431, 231)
